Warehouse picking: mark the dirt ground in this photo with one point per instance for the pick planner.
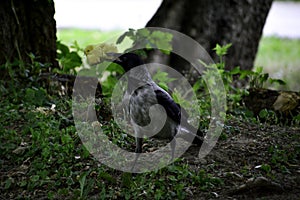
(254, 161)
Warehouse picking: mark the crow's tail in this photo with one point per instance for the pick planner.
(187, 132)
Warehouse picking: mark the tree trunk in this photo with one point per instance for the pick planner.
(27, 27)
(213, 21)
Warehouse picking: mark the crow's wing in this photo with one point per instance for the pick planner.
(174, 110)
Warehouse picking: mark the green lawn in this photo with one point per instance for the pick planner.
(279, 57)
(83, 37)
(87, 37)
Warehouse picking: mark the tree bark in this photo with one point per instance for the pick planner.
(27, 27)
(214, 21)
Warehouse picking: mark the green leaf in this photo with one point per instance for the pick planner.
(163, 86)
(8, 183)
(175, 97)
(259, 70)
(76, 46)
(266, 168)
(222, 50)
(279, 81)
(130, 33)
(264, 77)
(113, 67)
(143, 32)
(68, 60)
(62, 49)
(121, 38)
(127, 180)
(82, 180)
(235, 71)
(34, 178)
(65, 139)
(197, 86)
(22, 183)
(106, 176)
(263, 113)
(245, 73)
(297, 118)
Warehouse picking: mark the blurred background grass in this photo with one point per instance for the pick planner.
(280, 57)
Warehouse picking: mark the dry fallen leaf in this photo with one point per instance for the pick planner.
(286, 102)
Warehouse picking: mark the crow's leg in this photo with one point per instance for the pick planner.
(173, 146)
(138, 150)
(139, 143)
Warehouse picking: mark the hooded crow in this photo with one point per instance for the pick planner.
(146, 102)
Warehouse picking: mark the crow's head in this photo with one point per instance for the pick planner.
(126, 60)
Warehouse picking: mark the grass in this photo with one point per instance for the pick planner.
(42, 156)
(84, 37)
(279, 57)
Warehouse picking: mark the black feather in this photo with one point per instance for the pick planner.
(173, 109)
